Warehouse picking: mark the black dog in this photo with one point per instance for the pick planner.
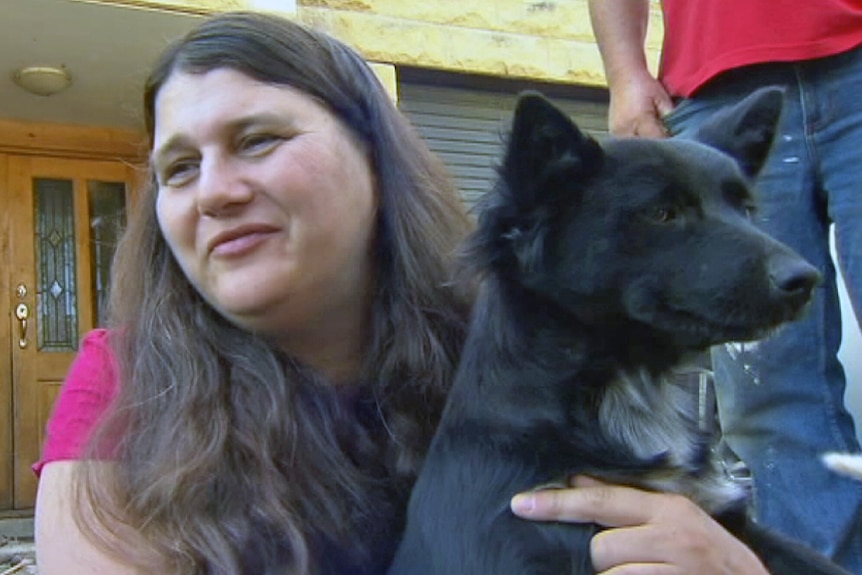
(604, 266)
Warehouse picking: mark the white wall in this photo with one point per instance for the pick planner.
(851, 356)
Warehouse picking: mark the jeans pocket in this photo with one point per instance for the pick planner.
(689, 114)
(675, 120)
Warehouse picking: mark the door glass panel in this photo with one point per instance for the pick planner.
(107, 203)
(56, 281)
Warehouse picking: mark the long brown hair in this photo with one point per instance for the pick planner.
(233, 457)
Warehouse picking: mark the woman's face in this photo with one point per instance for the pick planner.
(267, 201)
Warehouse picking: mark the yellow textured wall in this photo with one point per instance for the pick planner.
(186, 6)
(546, 40)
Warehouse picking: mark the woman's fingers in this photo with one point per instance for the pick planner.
(649, 533)
(594, 502)
(643, 569)
(628, 545)
(680, 542)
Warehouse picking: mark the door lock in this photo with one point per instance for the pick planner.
(22, 312)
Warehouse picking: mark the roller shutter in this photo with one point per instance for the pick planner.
(466, 127)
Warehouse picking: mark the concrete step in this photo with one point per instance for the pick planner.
(17, 556)
(16, 528)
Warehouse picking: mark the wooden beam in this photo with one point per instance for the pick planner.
(5, 345)
(72, 141)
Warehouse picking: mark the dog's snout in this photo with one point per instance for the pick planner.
(793, 277)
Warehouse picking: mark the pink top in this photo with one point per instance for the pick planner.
(90, 386)
(704, 38)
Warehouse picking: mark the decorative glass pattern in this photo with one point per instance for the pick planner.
(107, 201)
(56, 276)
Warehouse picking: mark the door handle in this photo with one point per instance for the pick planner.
(22, 312)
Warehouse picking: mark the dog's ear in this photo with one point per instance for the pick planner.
(547, 163)
(544, 143)
(745, 130)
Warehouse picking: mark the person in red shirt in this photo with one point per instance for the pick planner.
(780, 401)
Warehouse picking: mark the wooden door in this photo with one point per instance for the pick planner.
(66, 218)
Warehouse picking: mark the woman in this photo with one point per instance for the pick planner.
(285, 331)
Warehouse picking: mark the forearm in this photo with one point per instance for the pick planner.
(61, 547)
(620, 27)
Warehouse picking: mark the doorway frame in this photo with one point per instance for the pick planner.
(50, 141)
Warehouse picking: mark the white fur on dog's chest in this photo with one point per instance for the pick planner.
(658, 418)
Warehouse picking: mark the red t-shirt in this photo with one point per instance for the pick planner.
(88, 390)
(706, 37)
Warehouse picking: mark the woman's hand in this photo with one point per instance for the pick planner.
(648, 533)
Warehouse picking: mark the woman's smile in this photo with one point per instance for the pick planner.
(240, 241)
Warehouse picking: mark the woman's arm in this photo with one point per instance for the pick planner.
(649, 533)
(61, 547)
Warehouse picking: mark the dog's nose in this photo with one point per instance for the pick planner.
(793, 277)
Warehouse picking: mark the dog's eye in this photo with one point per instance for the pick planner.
(663, 214)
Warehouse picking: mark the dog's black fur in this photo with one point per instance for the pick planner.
(604, 267)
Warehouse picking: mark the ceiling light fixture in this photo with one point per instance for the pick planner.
(43, 80)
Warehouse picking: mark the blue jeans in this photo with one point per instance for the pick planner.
(781, 401)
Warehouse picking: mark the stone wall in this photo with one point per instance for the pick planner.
(542, 40)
